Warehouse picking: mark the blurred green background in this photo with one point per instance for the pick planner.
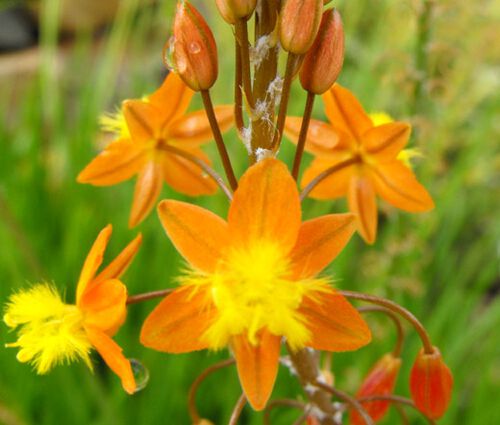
(435, 64)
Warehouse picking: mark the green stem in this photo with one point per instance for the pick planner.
(285, 96)
(134, 299)
(242, 39)
(226, 162)
(327, 173)
(395, 399)
(399, 328)
(238, 98)
(303, 134)
(355, 404)
(193, 411)
(235, 415)
(203, 165)
(279, 403)
(396, 308)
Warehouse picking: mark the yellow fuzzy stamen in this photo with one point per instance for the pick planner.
(380, 118)
(406, 156)
(115, 123)
(252, 289)
(50, 331)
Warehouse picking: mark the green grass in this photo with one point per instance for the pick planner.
(442, 265)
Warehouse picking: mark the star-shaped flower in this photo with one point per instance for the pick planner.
(155, 128)
(53, 332)
(371, 151)
(253, 280)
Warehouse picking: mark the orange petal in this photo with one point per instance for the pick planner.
(111, 353)
(118, 162)
(335, 325)
(179, 322)
(320, 241)
(120, 264)
(193, 129)
(386, 141)
(186, 177)
(257, 366)
(362, 202)
(93, 261)
(397, 184)
(172, 98)
(104, 305)
(143, 120)
(147, 190)
(321, 137)
(198, 234)
(345, 112)
(334, 186)
(266, 206)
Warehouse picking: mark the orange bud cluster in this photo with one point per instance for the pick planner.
(323, 62)
(380, 381)
(232, 10)
(299, 24)
(192, 49)
(431, 384)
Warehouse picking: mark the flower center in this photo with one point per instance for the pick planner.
(50, 331)
(253, 289)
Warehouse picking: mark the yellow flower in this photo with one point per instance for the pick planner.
(52, 332)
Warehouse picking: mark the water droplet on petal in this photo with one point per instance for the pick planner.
(194, 47)
(168, 54)
(141, 374)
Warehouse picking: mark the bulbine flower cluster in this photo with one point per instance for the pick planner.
(254, 281)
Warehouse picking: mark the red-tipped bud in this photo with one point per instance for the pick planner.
(192, 51)
(232, 10)
(312, 420)
(299, 24)
(380, 381)
(323, 61)
(431, 383)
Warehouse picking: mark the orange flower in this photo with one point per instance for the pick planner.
(374, 166)
(52, 332)
(431, 384)
(253, 280)
(154, 129)
(379, 381)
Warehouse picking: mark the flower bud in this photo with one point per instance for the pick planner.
(192, 49)
(312, 420)
(299, 24)
(323, 61)
(379, 381)
(431, 383)
(232, 10)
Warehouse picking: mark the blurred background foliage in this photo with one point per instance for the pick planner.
(433, 63)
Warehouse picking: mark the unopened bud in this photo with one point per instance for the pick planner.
(323, 61)
(232, 10)
(431, 383)
(380, 381)
(299, 24)
(192, 49)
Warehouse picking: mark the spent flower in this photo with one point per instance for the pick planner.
(53, 332)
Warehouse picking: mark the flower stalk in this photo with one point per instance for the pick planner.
(221, 147)
(396, 308)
